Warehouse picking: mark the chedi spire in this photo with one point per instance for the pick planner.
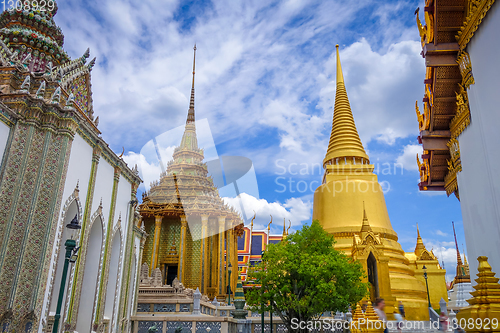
(345, 145)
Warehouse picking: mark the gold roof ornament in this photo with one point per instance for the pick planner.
(420, 247)
(344, 139)
(462, 274)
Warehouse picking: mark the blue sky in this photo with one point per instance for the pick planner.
(265, 82)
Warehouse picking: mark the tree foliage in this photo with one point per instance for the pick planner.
(304, 276)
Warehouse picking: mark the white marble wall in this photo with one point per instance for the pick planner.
(479, 181)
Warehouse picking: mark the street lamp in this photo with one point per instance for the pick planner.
(70, 256)
(427, 285)
(229, 269)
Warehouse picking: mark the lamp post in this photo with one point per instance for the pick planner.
(70, 256)
(229, 285)
(427, 285)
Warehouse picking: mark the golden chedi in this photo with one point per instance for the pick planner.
(483, 312)
(350, 205)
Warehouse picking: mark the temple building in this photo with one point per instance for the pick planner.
(56, 171)
(350, 205)
(461, 286)
(460, 119)
(424, 261)
(192, 232)
(252, 244)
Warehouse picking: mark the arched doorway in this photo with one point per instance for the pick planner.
(372, 276)
(71, 212)
(90, 276)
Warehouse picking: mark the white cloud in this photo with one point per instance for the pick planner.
(252, 79)
(408, 159)
(294, 209)
(440, 233)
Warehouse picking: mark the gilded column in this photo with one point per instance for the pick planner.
(230, 255)
(234, 275)
(213, 254)
(183, 249)
(222, 240)
(204, 254)
(156, 243)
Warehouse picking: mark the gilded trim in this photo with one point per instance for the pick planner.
(477, 10)
(462, 118)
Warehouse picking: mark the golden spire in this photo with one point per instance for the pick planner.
(190, 118)
(459, 258)
(284, 226)
(462, 274)
(344, 139)
(420, 244)
(366, 225)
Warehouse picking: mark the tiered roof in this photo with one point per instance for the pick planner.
(30, 41)
(185, 186)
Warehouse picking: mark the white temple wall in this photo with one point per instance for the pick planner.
(79, 166)
(479, 182)
(122, 203)
(103, 188)
(4, 137)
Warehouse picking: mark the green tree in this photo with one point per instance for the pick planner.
(304, 276)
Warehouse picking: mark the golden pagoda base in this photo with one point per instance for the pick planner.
(483, 312)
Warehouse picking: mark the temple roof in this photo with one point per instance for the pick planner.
(344, 139)
(31, 42)
(185, 187)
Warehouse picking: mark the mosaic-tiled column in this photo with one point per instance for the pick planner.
(204, 254)
(156, 243)
(213, 253)
(230, 255)
(234, 259)
(182, 261)
(222, 228)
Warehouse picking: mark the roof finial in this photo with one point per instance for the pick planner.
(418, 233)
(340, 76)
(459, 259)
(284, 227)
(190, 118)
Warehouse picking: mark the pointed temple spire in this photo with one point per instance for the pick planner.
(189, 140)
(190, 118)
(462, 269)
(459, 258)
(345, 143)
(420, 243)
(365, 227)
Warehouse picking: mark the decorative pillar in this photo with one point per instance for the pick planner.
(229, 255)
(156, 243)
(213, 255)
(204, 254)
(235, 274)
(182, 254)
(222, 240)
